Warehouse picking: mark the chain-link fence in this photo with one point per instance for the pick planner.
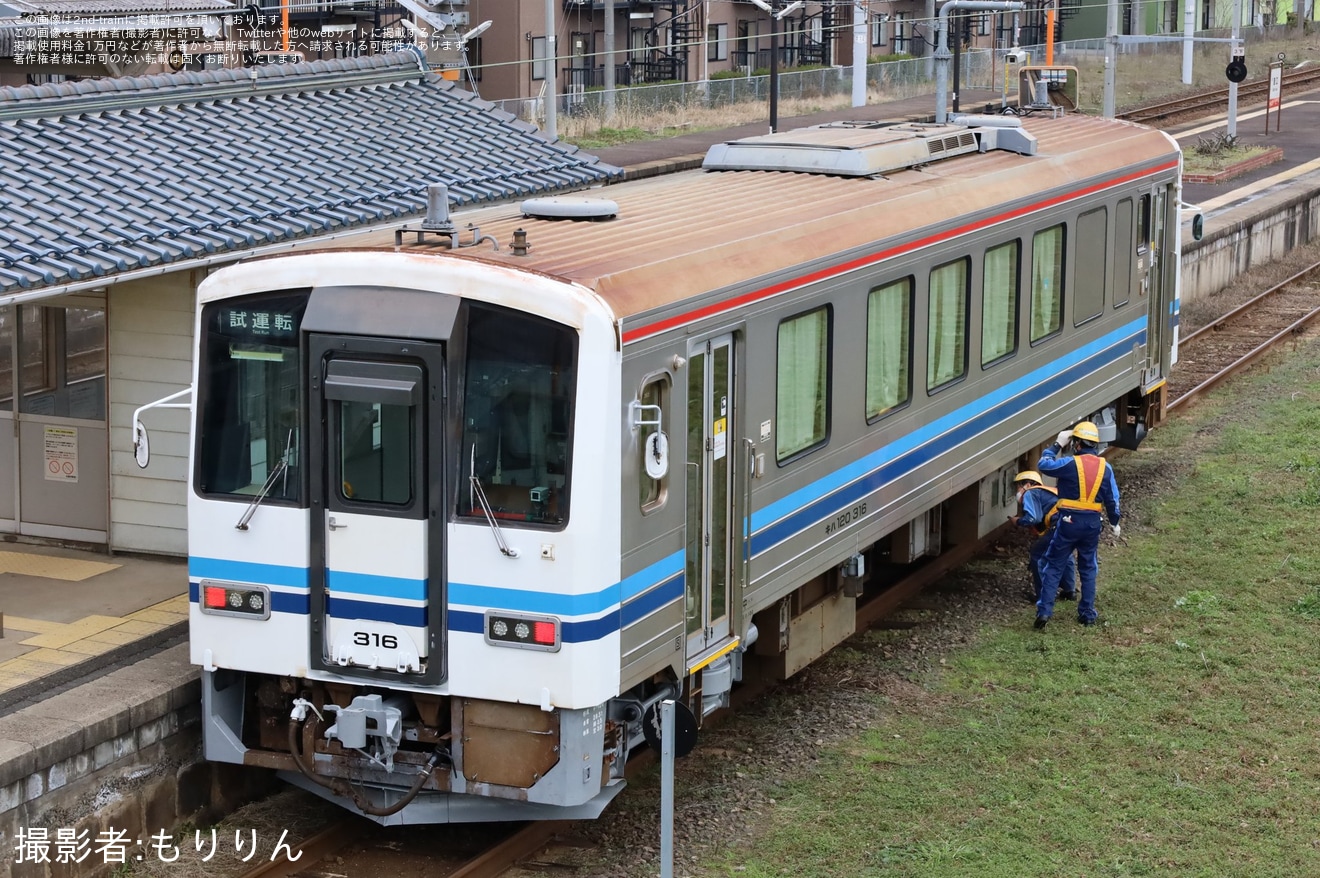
(889, 80)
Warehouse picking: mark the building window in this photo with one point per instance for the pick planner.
(946, 347)
(888, 347)
(1046, 282)
(717, 42)
(901, 38)
(803, 384)
(879, 30)
(1092, 263)
(999, 302)
(538, 58)
(983, 24)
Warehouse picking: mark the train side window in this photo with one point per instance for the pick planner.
(1046, 282)
(652, 491)
(946, 339)
(888, 347)
(1089, 282)
(1143, 224)
(999, 302)
(802, 389)
(1123, 253)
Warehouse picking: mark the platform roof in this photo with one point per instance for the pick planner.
(108, 179)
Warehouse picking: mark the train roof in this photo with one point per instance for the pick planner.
(678, 237)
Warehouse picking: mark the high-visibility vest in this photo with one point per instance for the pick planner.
(1090, 476)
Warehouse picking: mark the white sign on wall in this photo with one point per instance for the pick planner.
(61, 446)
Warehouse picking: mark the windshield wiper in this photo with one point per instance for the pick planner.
(480, 494)
(276, 471)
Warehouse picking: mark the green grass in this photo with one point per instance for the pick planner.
(1180, 738)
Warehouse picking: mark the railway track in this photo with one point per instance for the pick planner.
(1217, 99)
(1217, 350)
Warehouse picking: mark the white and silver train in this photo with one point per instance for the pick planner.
(463, 512)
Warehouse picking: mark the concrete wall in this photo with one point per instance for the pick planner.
(1250, 235)
(123, 753)
(150, 325)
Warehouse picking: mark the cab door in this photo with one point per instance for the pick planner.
(377, 597)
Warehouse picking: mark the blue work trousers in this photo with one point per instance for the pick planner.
(1074, 531)
(1067, 582)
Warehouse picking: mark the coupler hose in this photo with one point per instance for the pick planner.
(340, 787)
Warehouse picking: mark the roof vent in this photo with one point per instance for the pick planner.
(569, 208)
(437, 209)
(856, 149)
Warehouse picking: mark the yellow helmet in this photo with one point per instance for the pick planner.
(1029, 475)
(1087, 432)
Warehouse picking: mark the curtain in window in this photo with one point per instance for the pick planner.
(1046, 282)
(802, 391)
(999, 302)
(887, 339)
(947, 337)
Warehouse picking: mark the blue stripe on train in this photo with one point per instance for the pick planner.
(956, 426)
(813, 510)
(662, 582)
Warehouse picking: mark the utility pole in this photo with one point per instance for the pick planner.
(1111, 58)
(1232, 86)
(775, 18)
(551, 71)
(1189, 32)
(859, 53)
(609, 61)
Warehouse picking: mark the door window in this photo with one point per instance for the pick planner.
(6, 358)
(62, 361)
(376, 453)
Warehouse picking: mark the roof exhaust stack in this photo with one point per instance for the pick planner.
(437, 209)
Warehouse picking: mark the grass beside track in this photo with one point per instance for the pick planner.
(1178, 738)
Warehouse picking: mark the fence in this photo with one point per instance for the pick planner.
(890, 80)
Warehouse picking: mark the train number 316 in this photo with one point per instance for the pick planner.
(370, 638)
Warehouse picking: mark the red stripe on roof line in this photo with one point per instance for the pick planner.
(872, 258)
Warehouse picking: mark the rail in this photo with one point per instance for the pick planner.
(1216, 351)
(1216, 98)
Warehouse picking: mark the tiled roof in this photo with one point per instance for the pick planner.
(115, 175)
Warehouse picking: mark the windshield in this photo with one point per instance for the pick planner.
(517, 404)
(248, 423)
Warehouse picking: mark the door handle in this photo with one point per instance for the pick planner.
(333, 525)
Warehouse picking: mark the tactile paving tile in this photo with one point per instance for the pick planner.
(51, 567)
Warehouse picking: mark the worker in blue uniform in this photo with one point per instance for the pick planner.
(1037, 501)
(1087, 488)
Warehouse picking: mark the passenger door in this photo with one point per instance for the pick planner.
(377, 596)
(711, 546)
(1154, 225)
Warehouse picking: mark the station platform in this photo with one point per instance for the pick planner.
(1295, 135)
(64, 613)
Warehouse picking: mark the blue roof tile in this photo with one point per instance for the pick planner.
(105, 176)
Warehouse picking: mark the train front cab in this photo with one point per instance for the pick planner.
(366, 610)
